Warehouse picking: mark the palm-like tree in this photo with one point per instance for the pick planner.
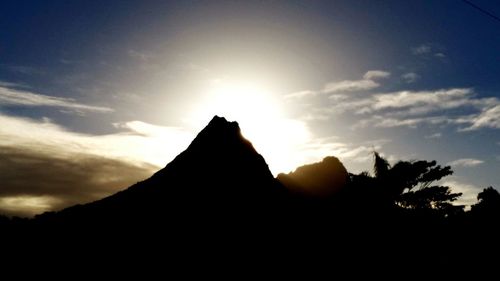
(410, 185)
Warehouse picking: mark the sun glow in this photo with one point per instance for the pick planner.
(261, 118)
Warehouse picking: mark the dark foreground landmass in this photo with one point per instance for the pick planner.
(217, 207)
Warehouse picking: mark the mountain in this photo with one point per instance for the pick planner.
(219, 178)
(217, 207)
(322, 179)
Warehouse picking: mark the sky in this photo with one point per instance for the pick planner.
(97, 95)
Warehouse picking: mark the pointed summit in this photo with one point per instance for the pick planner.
(219, 131)
(220, 148)
(219, 175)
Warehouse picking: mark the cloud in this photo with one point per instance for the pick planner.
(367, 83)
(425, 101)
(422, 49)
(434, 136)
(429, 49)
(350, 86)
(23, 69)
(391, 122)
(461, 107)
(301, 94)
(70, 168)
(466, 162)
(469, 191)
(35, 181)
(355, 156)
(410, 77)
(11, 96)
(411, 108)
(375, 74)
(140, 55)
(488, 118)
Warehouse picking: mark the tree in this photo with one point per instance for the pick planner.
(488, 205)
(410, 185)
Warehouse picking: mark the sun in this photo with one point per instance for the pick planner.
(261, 117)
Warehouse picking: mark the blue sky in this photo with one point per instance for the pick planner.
(131, 82)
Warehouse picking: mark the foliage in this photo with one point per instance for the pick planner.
(410, 185)
(488, 204)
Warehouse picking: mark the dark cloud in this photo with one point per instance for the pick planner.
(32, 181)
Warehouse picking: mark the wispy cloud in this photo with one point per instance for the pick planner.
(140, 55)
(17, 97)
(367, 83)
(356, 156)
(428, 49)
(337, 88)
(488, 118)
(72, 168)
(469, 191)
(434, 136)
(410, 77)
(421, 49)
(466, 162)
(375, 74)
(301, 94)
(391, 122)
(455, 106)
(23, 69)
(426, 101)
(411, 108)
(350, 86)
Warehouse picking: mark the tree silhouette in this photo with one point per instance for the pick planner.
(409, 185)
(488, 205)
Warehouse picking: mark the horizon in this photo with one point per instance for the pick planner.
(92, 91)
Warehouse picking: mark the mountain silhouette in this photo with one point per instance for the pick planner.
(220, 178)
(217, 204)
(322, 179)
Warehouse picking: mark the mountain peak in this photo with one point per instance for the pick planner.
(219, 132)
(220, 151)
(219, 120)
(220, 123)
(218, 176)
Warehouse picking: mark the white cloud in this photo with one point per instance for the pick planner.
(410, 108)
(466, 162)
(410, 77)
(488, 118)
(365, 84)
(139, 141)
(405, 103)
(300, 94)
(469, 191)
(455, 106)
(11, 96)
(390, 122)
(422, 49)
(350, 86)
(424, 101)
(439, 55)
(71, 168)
(375, 74)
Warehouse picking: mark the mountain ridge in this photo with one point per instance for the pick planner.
(206, 175)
